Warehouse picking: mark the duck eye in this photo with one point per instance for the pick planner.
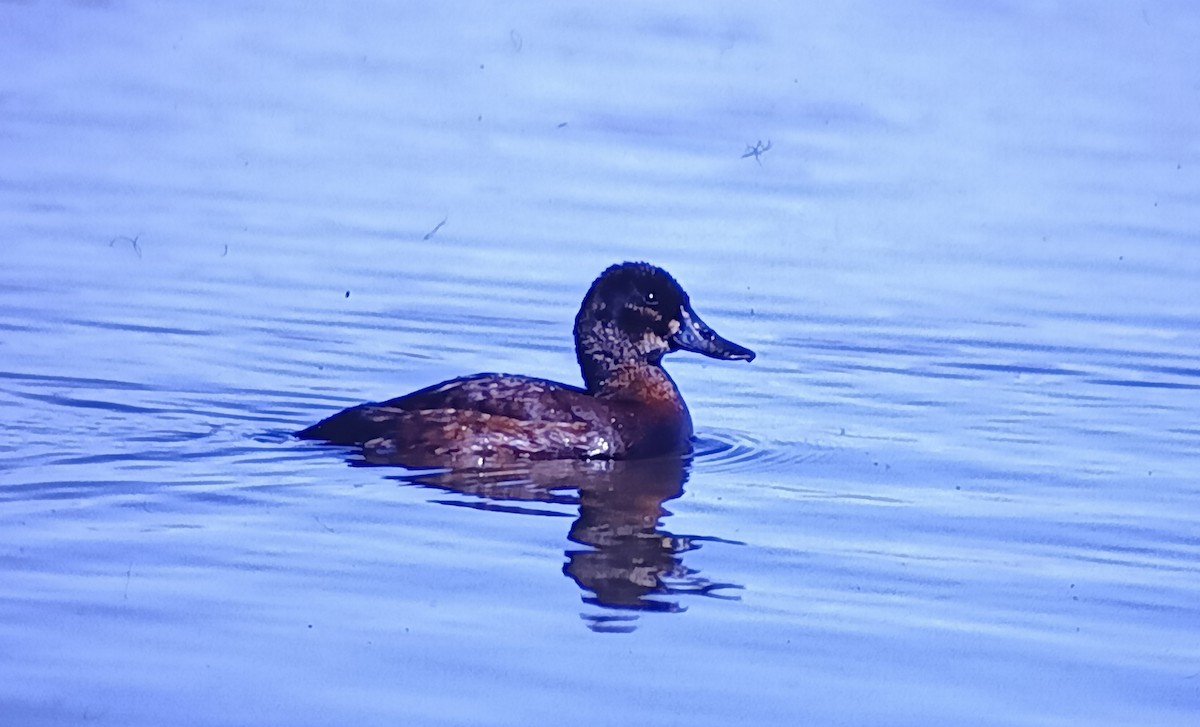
(652, 299)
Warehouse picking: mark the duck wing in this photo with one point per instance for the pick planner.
(462, 439)
(534, 418)
(519, 397)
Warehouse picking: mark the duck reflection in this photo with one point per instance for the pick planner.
(628, 562)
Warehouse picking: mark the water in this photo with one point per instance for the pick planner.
(957, 486)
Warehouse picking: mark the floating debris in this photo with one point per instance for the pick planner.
(757, 150)
(131, 240)
(433, 232)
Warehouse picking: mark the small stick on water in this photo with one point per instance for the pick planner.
(757, 150)
(131, 240)
(433, 232)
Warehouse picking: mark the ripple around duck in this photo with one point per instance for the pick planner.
(733, 451)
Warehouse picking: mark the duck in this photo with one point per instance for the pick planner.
(628, 408)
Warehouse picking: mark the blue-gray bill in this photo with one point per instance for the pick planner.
(695, 335)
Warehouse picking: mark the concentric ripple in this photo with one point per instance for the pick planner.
(723, 450)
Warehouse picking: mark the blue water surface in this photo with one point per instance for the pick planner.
(958, 486)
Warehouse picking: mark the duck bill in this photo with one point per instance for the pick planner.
(695, 335)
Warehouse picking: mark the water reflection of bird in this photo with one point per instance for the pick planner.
(632, 315)
(630, 562)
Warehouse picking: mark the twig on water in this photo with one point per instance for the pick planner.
(131, 240)
(433, 232)
(757, 150)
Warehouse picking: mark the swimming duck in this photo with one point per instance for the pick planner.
(628, 407)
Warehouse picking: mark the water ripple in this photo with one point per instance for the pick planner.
(735, 451)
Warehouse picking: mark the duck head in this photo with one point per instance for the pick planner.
(635, 313)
